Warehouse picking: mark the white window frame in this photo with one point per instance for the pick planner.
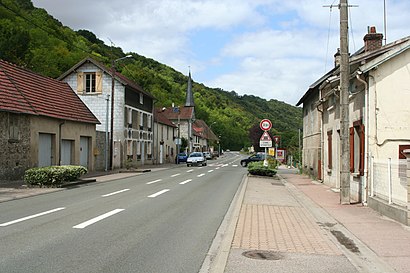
(90, 85)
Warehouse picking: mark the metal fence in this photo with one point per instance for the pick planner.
(389, 181)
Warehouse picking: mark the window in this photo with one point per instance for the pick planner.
(13, 127)
(329, 149)
(149, 121)
(141, 120)
(357, 148)
(90, 82)
(141, 98)
(129, 116)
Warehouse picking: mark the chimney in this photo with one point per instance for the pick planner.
(372, 40)
(337, 57)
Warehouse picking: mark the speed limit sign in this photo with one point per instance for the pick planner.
(265, 124)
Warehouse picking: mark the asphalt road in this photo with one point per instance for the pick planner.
(163, 221)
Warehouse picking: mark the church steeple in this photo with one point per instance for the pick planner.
(189, 95)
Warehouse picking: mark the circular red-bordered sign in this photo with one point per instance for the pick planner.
(265, 124)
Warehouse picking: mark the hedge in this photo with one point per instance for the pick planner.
(53, 176)
(257, 168)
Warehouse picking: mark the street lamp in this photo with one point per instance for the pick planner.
(112, 108)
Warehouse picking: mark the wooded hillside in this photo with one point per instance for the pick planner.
(31, 38)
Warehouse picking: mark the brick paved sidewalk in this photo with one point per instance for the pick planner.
(387, 239)
(270, 219)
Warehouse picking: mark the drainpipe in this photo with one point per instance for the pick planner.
(60, 141)
(366, 138)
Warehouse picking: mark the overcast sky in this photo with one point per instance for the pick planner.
(273, 49)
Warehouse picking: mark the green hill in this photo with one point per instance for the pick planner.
(30, 37)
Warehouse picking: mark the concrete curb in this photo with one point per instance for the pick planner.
(217, 256)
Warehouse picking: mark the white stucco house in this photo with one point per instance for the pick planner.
(132, 118)
(379, 125)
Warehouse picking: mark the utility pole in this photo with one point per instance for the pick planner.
(344, 106)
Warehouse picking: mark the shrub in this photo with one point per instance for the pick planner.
(257, 168)
(53, 176)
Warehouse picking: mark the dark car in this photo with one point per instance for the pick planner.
(252, 158)
(181, 157)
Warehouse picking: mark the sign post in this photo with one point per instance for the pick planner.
(265, 140)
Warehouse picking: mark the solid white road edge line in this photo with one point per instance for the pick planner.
(186, 181)
(155, 181)
(175, 174)
(30, 217)
(158, 193)
(109, 194)
(98, 218)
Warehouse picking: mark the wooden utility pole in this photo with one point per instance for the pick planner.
(344, 105)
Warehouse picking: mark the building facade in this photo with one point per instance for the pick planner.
(42, 123)
(129, 115)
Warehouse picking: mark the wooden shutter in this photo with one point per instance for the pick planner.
(351, 149)
(361, 162)
(329, 149)
(98, 82)
(80, 82)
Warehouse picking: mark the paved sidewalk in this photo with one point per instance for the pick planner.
(297, 225)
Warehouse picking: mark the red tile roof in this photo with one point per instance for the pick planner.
(201, 129)
(161, 118)
(184, 113)
(23, 91)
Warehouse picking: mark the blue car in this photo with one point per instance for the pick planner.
(181, 157)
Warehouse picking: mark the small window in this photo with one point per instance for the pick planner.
(13, 127)
(90, 82)
(141, 98)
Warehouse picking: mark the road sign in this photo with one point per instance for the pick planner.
(265, 141)
(265, 124)
(276, 139)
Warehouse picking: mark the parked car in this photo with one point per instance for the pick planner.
(208, 155)
(181, 157)
(252, 158)
(196, 158)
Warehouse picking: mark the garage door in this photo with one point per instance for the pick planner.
(45, 150)
(84, 151)
(66, 152)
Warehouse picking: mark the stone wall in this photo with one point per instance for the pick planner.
(15, 146)
(99, 155)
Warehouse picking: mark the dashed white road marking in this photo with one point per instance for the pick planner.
(30, 217)
(158, 193)
(186, 181)
(234, 165)
(174, 175)
(109, 194)
(199, 175)
(155, 181)
(210, 171)
(98, 218)
(190, 171)
(224, 165)
(217, 168)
